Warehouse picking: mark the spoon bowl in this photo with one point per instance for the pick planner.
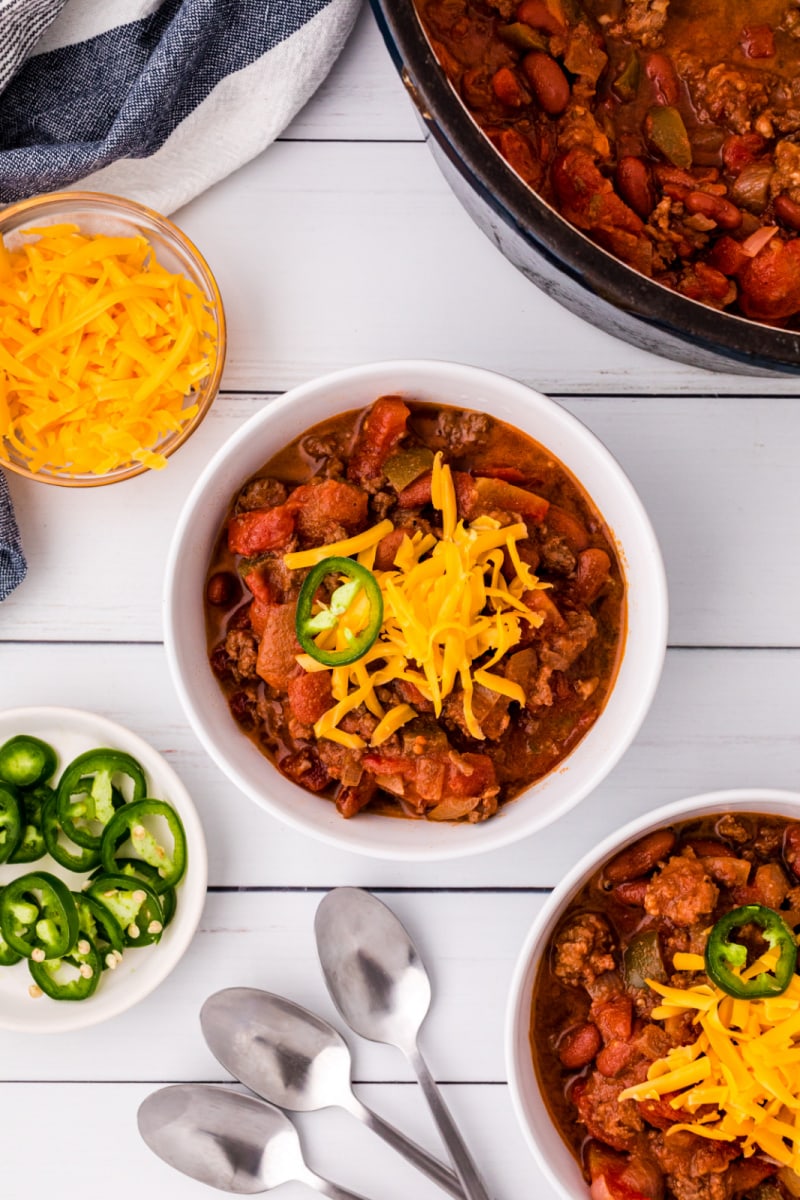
(279, 1050)
(296, 1060)
(229, 1141)
(380, 986)
(374, 973)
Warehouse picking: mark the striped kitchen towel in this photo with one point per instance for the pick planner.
(153, 99)
(12, 560)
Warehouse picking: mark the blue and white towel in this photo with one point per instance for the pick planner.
(12, 560)
(151, 99)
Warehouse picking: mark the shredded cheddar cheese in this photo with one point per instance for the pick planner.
(101, 351)
(745, 1063)
(446, 607)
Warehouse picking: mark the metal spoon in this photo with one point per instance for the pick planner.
(232, 1142)
(381, 988)
(296, 1060)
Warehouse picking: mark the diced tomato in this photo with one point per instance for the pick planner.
(318, 506)
(258, 587)
(259, 616)
(278, 648)
(727, 255)
(310, 695)
(260, 530)
(739, 150)
(380, 432)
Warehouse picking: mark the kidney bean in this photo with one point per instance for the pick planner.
(640, 858)
(549, 83)
(787, 211)
(221, 588)
(615, 1058)
(508, 89)
(710, 848)
(536, 14)
(632, 893)
(791, 849)
(716, 208)
(661, 73)
(578, 1046)
(633, 184)
(614, 1018)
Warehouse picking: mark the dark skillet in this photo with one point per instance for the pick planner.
(556, 256)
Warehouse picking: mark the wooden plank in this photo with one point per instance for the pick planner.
(362, 99)
(716, 475)
(333, 253)
(720, 719)
(469, 942)
(119, 1163)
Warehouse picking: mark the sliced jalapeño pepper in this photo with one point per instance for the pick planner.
(32, 845)
(723, 955)
(26, 760)
(137, 868)
(128, 825)
(134, 905)
(309, 624)
(38, 916)
(73, 976)
(102, 928)
(74, 858)
(87, 793)
(7, 956)
(10, 820)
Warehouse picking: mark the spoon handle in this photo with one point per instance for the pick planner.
(327, 1188)
(471, 1182)
(421, 1159)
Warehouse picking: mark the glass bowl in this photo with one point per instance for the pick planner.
(97, 213)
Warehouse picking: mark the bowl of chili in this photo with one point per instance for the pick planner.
(112, 338)
(581, 149)
(248, 687)
(87, 811)
(669, 949)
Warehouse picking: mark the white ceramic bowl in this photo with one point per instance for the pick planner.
(436, 382)
(71, 732)
(551, 1153)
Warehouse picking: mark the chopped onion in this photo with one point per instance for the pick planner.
(754, 244)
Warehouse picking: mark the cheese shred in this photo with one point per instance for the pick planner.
(744, 1064)
(101, 351)
(449, 616)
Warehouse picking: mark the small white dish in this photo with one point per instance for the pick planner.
(71, 732)
(272, 428)
(551, 1152)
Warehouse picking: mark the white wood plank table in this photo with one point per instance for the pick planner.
(342, 244)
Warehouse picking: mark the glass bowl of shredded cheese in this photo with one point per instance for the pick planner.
(112, 338)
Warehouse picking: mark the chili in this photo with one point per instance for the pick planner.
(309, 624)
(723, 955)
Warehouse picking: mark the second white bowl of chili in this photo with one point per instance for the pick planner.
(275, 531)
